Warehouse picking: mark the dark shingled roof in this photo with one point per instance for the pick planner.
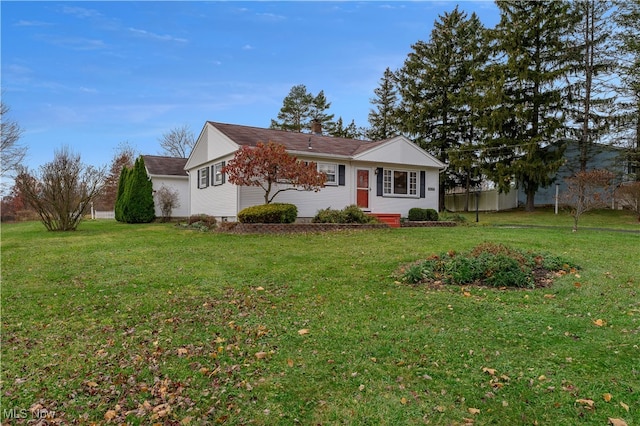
(165, 166)
(295, 141)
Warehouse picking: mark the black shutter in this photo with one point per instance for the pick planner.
(423, 184)
(341, 173)
(379, 178)
(224, 175)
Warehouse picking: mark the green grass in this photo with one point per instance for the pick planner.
(612, 219)
(152, 324)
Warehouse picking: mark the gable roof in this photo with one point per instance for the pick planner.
(295, 141)
(165, 166)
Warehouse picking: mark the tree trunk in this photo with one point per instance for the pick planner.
(530, 205)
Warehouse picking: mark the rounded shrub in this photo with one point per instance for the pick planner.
(432, 215)
(269, 213)
(350, 214)
(417, 214)
(421, 215)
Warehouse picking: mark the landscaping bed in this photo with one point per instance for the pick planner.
(293, 228)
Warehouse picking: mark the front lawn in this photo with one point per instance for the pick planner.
(145, 324)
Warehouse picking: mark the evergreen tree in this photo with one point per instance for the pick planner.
(295, 114)
(383, 119)
(138, 204)
(531, 63)
(349, 132)
(628, 20)
(120, 195)
(590, 100)
(318, 112)
(435, 84)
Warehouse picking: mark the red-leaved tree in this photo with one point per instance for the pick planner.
(270, 167)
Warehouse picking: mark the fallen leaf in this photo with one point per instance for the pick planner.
(599, 322)
(303, 331)
(92, 384)
(625, 406)
(490, 371)
(260, 288)
(361, 388)
(440, 408)
(110, 415)
(587, 402)
(466, 294)
(607, 397)
(403, 401)
(261, 355)
(290, 362)
(577, 285)
(473, 411)
(186, 420)
(182, 351)
(549, 296)
(617, 422)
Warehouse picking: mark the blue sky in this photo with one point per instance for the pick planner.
(91, 75)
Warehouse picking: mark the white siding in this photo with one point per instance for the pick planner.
(175, 183)
(400, 151)
(219, 201)
(402, 205)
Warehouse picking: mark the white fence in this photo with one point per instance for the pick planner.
(488, 200)
(95, 214)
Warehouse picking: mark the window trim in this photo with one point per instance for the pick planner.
(335, 173)
(217, 177)
(389, 184)
(203, 178)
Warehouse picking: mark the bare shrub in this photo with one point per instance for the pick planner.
(628, 196)
(167, 199)
(62, 190)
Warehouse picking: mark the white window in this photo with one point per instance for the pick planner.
(331, 170)
(400, 182)
(203, 177)
(218, 176)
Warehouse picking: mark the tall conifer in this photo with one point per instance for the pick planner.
(531, 63)
(435, 85)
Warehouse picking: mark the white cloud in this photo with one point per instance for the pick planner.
(247, 47)
(24, 23)
(77, 43)
(81, 12)
(154, 36)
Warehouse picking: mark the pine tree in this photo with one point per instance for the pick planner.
(339, 130)
(590, 100)
(318, 113)
(435, 85)
(138, 201)
(383, 119)
(628, 20)
(295, 114)
(531, 62)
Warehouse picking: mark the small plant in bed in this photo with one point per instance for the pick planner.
(488, 264)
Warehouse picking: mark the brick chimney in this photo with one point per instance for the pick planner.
(316, 127)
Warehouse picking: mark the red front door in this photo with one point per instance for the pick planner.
(363, 189)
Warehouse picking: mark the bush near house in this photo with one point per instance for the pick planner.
(350, 214)
(269, 213)
(134, 203)
(421, 215)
